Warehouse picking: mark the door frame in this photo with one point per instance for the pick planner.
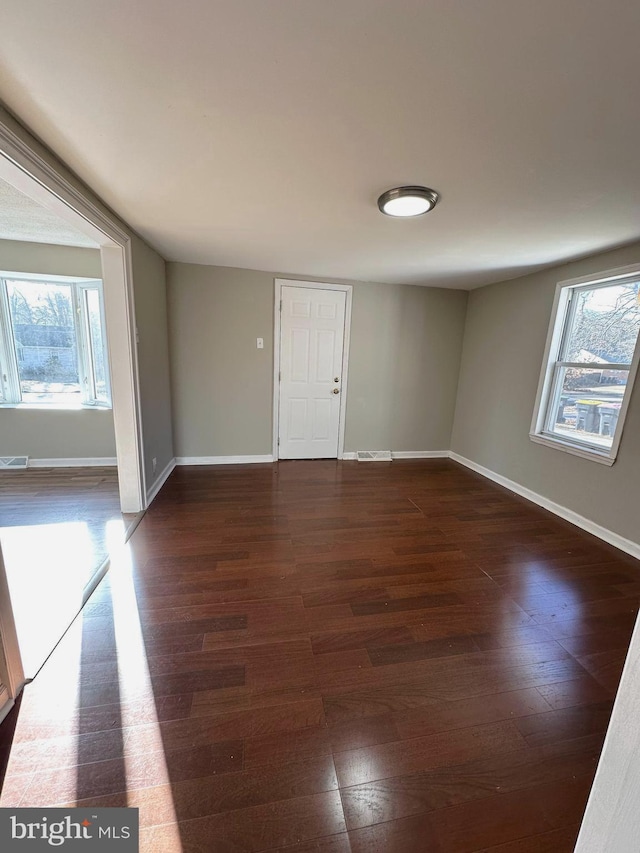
(25, 164)
(277, 308)
(12, 673)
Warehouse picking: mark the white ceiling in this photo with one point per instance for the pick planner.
(259, 133)
(23, 219)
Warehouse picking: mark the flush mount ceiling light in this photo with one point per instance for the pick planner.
(407, 201)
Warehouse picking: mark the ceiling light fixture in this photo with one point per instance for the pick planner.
(407, 201)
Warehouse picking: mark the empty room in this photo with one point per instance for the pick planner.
(365, 280)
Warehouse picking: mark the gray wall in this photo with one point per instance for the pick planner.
(44, 258)
(403, 369)
(504, 344)
(150, 296)
(222, 397)
(54, 434)
(57, 434)
(404, 363)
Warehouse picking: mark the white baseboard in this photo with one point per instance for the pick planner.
(603, 533)
(406, 454)
(79, 462)
(160, 480)
(223, 460)
(347, 455)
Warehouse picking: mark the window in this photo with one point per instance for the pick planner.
(590, 364)
(52, 342)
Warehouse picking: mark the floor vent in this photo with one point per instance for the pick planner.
(373, 456)
(13, 462)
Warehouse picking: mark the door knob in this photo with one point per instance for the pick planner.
(336, 390)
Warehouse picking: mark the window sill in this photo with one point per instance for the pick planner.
(574, 449)
(56, 407)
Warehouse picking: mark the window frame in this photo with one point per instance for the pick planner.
(10, 388)
(559, 329)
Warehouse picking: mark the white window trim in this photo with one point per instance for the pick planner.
(10, 379)
(552, 347)
(85, 342)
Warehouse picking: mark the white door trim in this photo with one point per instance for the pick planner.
(32, 172)
(13, 674)
(117, 271)
(314, 285)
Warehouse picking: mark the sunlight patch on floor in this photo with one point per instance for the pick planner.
(133, 671)
(48, 566)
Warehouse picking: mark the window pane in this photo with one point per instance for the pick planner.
(42, 315)
(96, 342)
(586, 405)
(605, 325)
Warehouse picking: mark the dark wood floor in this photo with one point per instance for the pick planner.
(328, 657)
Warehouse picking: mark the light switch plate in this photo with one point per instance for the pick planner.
(260, 343)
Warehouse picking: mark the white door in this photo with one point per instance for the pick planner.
(312, 328)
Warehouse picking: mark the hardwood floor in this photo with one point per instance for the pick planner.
(325, 657)
(54, 527)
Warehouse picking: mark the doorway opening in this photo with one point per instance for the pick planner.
(67, 268)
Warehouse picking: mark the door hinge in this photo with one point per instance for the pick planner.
(281, 305)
